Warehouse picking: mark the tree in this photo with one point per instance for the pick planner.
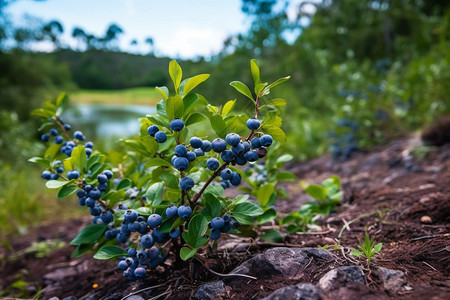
(149, 41)
(80, 35)
(52, 31)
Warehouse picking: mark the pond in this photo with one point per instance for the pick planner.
(106, 120)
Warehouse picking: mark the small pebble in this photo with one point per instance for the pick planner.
(426, 220)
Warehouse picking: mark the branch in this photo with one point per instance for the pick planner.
(214, 175)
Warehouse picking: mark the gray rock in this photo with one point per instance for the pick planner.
(341, 277)
(393, 280)
(281, 261)
(301, 291)
(70, 298)
(210, 291)
(53, 298)
(134, 297)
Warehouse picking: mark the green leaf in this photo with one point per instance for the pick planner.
(378, 247)
(267, 216)
(219, 125)
(144, 211)
(66, 191)
(124, 184)
(109, 251)
(136, 145)
(159, 120)
(275, 132)
(197, 227)
(175, 107)
(161, 107)
(272, 235)
(258, 88)
(40, 112)
(155, 162)
(189, 102)
(264, 193)
(39, 160)
(212, 205)
(164, 91)
(317, 192)
(237, 123)
(277, 82)
(154, 193)
(175, 73)
(61, 103)
(356, 252)
(286, 176)
(78, 158)
(284, 158)
(228, 107)
(170, 180)
(275, 102)
(89, 234)
(216, 190)
(243, 89)
(52, 151)
(186, 253)
(193, 82)
(195, 118)
(239, 199)
(81, 249)
(56, 184)
(255, 72)
(244, 212)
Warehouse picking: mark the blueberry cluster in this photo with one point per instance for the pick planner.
(90, 195)
(219, 225)
(57, 169)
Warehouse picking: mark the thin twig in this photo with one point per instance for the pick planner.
(163, 294)
(347, 224)
(230, 275)
(426, 237)
(430, 265)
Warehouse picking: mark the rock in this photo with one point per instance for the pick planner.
(210, 291)
(301, 291)
(70, 298)
(393, 280)
(341, 277)
(134, 297)
(426, 219)
(281, 261)
(53, 298)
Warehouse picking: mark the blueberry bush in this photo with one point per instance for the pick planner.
(167, 194)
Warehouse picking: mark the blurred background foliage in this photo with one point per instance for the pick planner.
(363, 72)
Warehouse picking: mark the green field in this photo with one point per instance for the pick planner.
(134, 96)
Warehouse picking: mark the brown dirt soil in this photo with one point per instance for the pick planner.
(399, 200)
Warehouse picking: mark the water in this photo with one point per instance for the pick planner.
(105, 120)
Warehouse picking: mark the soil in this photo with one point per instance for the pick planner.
(400, 200)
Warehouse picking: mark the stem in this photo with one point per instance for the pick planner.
(258, 98)
(62, 128)
(214, 175)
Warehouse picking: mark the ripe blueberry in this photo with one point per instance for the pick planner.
(232, 139)
(130, 215)
(78, 135)
(206, 146)
(174, 233)
(140, 272)
(108, 174)
(44, 137)
(102, 178)
(226, 174)
(89, 145)
(199, 152)
(160, 137)
(181, 163)
(132, 252)
(235, 179)
(214, 234)
(253, 124)
(212, 164)
(238, 149)
(171, 211)
(196, 142)
(154, 220)
(46, 175)
(184, 211)
(147, 241)
(251, 156)
(74, 174)
(67, 127)
(227, 156)
(152, 130)
(218, 145)
(217, 223)
(53, 132)
(58, 139)
(266, 140)
(256, 143)
(191, 156)
(180, 150)
(186, 183)
(176, 124)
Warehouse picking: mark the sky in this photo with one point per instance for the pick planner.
(179, 28)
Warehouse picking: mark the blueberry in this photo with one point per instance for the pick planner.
(235, 179)
(95, 211)
(67, 127)
(266, 140)
(122, 238)
(261, 152)
(181, 163)
(153, 252)
(142, 255)
(159, 237)
(44, 137)
(160, 137)
(54, 176)
(132, 252)
(111, 234)
(176, 124)
(59, 170)
(154, 220)
(253, 124)
(58, 139)
(147, 241)
(140, 272)
(180, 150)
(226, 218)
(238, 149)
(214, 234)
(246, 146)
(174, 233)
(227, 156)
(186, 183)
(46, 175)
(171, 211)
(95, 193)
(57, 163)
(89, 145)
(78, 135)
(199, 152)
(184, 211)
(232, 139)
(226, 227)
(251, 156)
(206, 146)
(217, 223)
(88, 188)
(74, 174)
(122, 265)
(191, 156)
(196, 142)
(107, 217)
(240, 160)
(53, 132)
(144, 228)
(81, 193)
(124, 228)
(89, 202)
(134, 226)
(152, 130)
(212, 164)
(226, 174)
(130, 215)
(102, 178)
(108, 174)
(102, 186)
(256, 142)
(155, 262)
(218, 145)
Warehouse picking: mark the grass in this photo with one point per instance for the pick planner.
(131, 96)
